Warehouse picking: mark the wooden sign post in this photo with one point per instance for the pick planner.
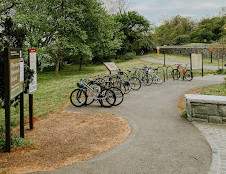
(13, 82)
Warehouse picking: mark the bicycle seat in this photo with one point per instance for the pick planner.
(129, 70)
(178, 64)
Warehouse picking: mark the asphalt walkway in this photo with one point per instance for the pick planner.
(148, 59)
(161, 142)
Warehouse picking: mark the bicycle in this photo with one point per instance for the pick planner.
(187, 74)
(157, 77)
(92, 91)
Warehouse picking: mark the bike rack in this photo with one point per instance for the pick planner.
(164, 74)
(167, 71)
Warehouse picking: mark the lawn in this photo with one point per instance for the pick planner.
(219, 90)
(181, 59)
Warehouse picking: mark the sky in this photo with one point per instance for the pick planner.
(158, 10)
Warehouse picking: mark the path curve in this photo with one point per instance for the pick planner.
(161, 142)
(149, 59)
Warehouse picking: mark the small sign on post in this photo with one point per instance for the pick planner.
(33, 85)
(211, 54)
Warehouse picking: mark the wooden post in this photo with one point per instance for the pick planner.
(22, 115)
(7, 100)
(31, 125)
(202, 66)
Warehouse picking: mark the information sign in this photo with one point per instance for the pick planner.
(16, 73)
(33, 66)
(111, 66)
(196, 59)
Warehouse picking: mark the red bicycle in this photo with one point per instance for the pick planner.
(186, 74)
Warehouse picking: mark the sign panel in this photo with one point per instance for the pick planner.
(16, 72)
(211, 49)
(196, 59)
(33, 66)
(111, 66)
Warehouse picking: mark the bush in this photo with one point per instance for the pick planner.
(129, 56)
(220, 71)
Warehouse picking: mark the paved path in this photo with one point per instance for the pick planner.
(161, 142)
(148, 59)
(216, 137)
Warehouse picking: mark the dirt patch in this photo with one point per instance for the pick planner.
(181, 101)
(64, 139)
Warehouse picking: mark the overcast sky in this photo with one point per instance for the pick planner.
(156, 10)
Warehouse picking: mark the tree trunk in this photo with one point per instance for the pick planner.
(57, 65)
(80, 64)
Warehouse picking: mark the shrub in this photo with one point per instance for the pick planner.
(129, 56)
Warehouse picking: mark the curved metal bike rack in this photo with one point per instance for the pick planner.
(167, 71)
(164, 74)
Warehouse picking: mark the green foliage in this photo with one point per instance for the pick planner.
(129, 56)
(16, 141)
(211, 29)
(134, 27)
(180, 30)
(220, 71)
(174, 31)
(182, 39)
(67, 30)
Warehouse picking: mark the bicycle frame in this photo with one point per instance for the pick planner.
(182, 70)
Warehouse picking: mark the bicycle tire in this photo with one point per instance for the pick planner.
(148, 80)
(119, 95)
(105, 97)
(188, 75)
(78, 97)
(175, 74)
(127, 86)
(135, 83)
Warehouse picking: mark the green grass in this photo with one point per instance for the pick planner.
(181, 59)
(219, 90)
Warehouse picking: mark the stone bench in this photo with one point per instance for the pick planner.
(206, 108)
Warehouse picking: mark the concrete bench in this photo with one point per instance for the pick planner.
(206, 108)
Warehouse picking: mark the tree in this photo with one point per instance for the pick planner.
(63, 29)
(134, 27)
(174, 31)
(210, 29)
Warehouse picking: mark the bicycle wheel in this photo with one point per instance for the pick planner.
(78, 97)
(188, 75)
(117, 82)
(135, 83)
(119, 95)
(127, 86)
(148, 80)
(159, 78)
(175, 74)
(107, 98)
